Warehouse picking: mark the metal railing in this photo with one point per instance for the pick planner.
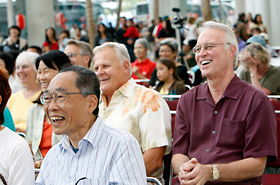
(179, 96)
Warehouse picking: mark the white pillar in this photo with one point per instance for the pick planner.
(250, 7)
(39, 15)
(274, 29)
(240, 7)
(262, 7)
(10, 13)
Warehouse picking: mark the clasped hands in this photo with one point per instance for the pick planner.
(194, 173)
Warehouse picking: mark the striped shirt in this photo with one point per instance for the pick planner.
(106, 156)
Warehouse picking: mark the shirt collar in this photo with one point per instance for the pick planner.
(230, 92)
(125, 90)
(92, 136)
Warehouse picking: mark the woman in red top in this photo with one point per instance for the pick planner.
(51, 42)
(143, 67)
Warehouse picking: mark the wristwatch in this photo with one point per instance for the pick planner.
(215, 172)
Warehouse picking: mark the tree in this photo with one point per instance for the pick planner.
(206, 10)
(156, 8)
(91, 27)
(119, 12)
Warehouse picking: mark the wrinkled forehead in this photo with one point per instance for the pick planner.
(64, 81)
(211, 35)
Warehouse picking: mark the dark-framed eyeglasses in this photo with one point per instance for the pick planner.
(207, 46)
(58, 96)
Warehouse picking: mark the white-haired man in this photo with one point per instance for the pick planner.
(134, 108)
(221, 125)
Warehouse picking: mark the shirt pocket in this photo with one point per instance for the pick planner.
(231, 134)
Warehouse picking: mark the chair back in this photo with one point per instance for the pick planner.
(276, 164)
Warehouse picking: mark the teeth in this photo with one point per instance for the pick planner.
(205, 62)
(104, 79)
(55, 119)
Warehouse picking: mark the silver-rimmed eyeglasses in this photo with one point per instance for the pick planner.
(207, 46)
(58, 96)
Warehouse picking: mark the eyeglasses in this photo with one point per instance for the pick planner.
(207, 46)
(58, 96)
(70, 55)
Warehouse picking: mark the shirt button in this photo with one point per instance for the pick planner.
(214, 132)
(215, 112)
(207, 150)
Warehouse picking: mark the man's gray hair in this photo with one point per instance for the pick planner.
(142, 41)
(229, 36)
(85, 48)
(120, 50)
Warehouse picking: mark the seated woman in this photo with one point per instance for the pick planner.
(102, 35)
(170, 83)
(39, 132)
(20, 102)
(258, 71)
(143, 67)
(16, 166)
(51, 43)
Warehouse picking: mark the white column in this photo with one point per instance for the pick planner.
(262, 7)
(274, 29)
(250, 7)
(10, 13)
(39, 15)
(240, 7)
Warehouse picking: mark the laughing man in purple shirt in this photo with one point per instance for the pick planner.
(225, 129)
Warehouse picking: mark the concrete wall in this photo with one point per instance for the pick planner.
(39, 16)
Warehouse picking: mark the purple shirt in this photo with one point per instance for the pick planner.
(241, 44)
(241, 125)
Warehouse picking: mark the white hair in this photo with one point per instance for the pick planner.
(120, 50)
(26, 57)
(229, 36)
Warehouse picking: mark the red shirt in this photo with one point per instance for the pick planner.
(54, 46)
(131, 32)
(145, 67)
(241, 125)
(158, 29)
(46, 141)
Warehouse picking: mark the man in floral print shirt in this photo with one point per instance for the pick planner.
(134, 108)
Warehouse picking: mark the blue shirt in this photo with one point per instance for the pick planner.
(106, 156)
(8, 120)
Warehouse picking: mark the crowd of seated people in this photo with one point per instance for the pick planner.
(119, 58)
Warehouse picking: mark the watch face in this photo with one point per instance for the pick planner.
(216, 175)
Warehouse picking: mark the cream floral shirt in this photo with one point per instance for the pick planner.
(140, 111)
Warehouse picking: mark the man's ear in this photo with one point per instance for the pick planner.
(232, 50)
(0, 99)
(86, 59)
(126, 66)
(93, 103)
